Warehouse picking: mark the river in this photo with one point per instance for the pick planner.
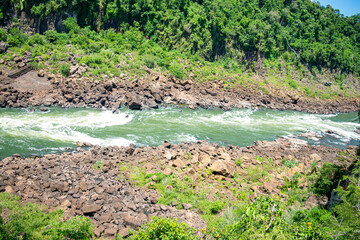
(28, 132)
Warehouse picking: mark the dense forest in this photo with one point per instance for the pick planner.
(237, 30)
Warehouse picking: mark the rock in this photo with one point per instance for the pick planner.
(110, 233)
(315, 156)
(98, 231)
(168, 171)
(21, 64)
(187, 206)
(135, 102)
(205, 160)
(178, 163)
(224, 168)
(41, 73)
(168, 155)
(3, 47)
(73, 69)
(133, 222)
(91, 208)
(124, 232)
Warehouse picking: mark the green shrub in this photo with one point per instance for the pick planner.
(177, 70)
(31, 222)
(165, 229)
(51, 35)
(65, 69)
(71, 25)
(16, 37)
(3, 35)
(150, 60)
(78, 227)
(36, 39)
(327, 179)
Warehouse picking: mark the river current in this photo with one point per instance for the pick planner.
(32, 132)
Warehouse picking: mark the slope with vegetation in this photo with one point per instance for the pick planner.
(298, 44)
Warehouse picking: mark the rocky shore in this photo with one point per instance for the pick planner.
(76, 183)
(38, 89)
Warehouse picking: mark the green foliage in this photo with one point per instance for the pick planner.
(65, 69)
(177, 70)
(36, 39)
(327, 179)
(150, 61)
(78, 227)
(30, 221)
(3, 35)
(16, 37)
(71, 25)
(51, 35)
(165, 229)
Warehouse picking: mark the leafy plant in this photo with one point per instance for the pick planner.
(165, 228)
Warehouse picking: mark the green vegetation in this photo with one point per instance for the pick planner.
(296, 44)
(30, 221)
(231, 29)
(165, 228)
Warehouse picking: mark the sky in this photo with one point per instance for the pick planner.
(346, 7)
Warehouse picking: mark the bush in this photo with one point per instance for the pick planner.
(177, 70)
(150, 60)
(51, 35)
(78, 227)
(65, 69)
(36, 39)
(327, 179)
(16, 37)
(71, 25)
(30, 221)
(165, 228)
(3, 35)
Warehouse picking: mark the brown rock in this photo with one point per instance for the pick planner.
(178, 163)
(315, 156)
(91, 208)
(224, 168)
(205, 160)
(124, 232)
(110, 233)
(133, 222)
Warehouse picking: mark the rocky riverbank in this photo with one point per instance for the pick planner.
(99, 182)
(150, 91)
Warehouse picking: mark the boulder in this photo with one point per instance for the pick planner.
(133, 222)
(3, 47)
(315, 156)
(91, 208)
(224, 168)
(135, 102)
(178, 163)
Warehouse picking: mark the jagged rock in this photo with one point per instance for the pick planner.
(224, 168)
(110, 233)
(178, 163)
(124, 232)
(41, 73)
(133, 222)
(135, 103)
(168, 155)
(315, 156)
(73, 69)
(3, 47)
(91, 208)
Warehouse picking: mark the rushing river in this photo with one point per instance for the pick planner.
(34, 132)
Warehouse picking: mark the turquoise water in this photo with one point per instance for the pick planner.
(34, 132)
